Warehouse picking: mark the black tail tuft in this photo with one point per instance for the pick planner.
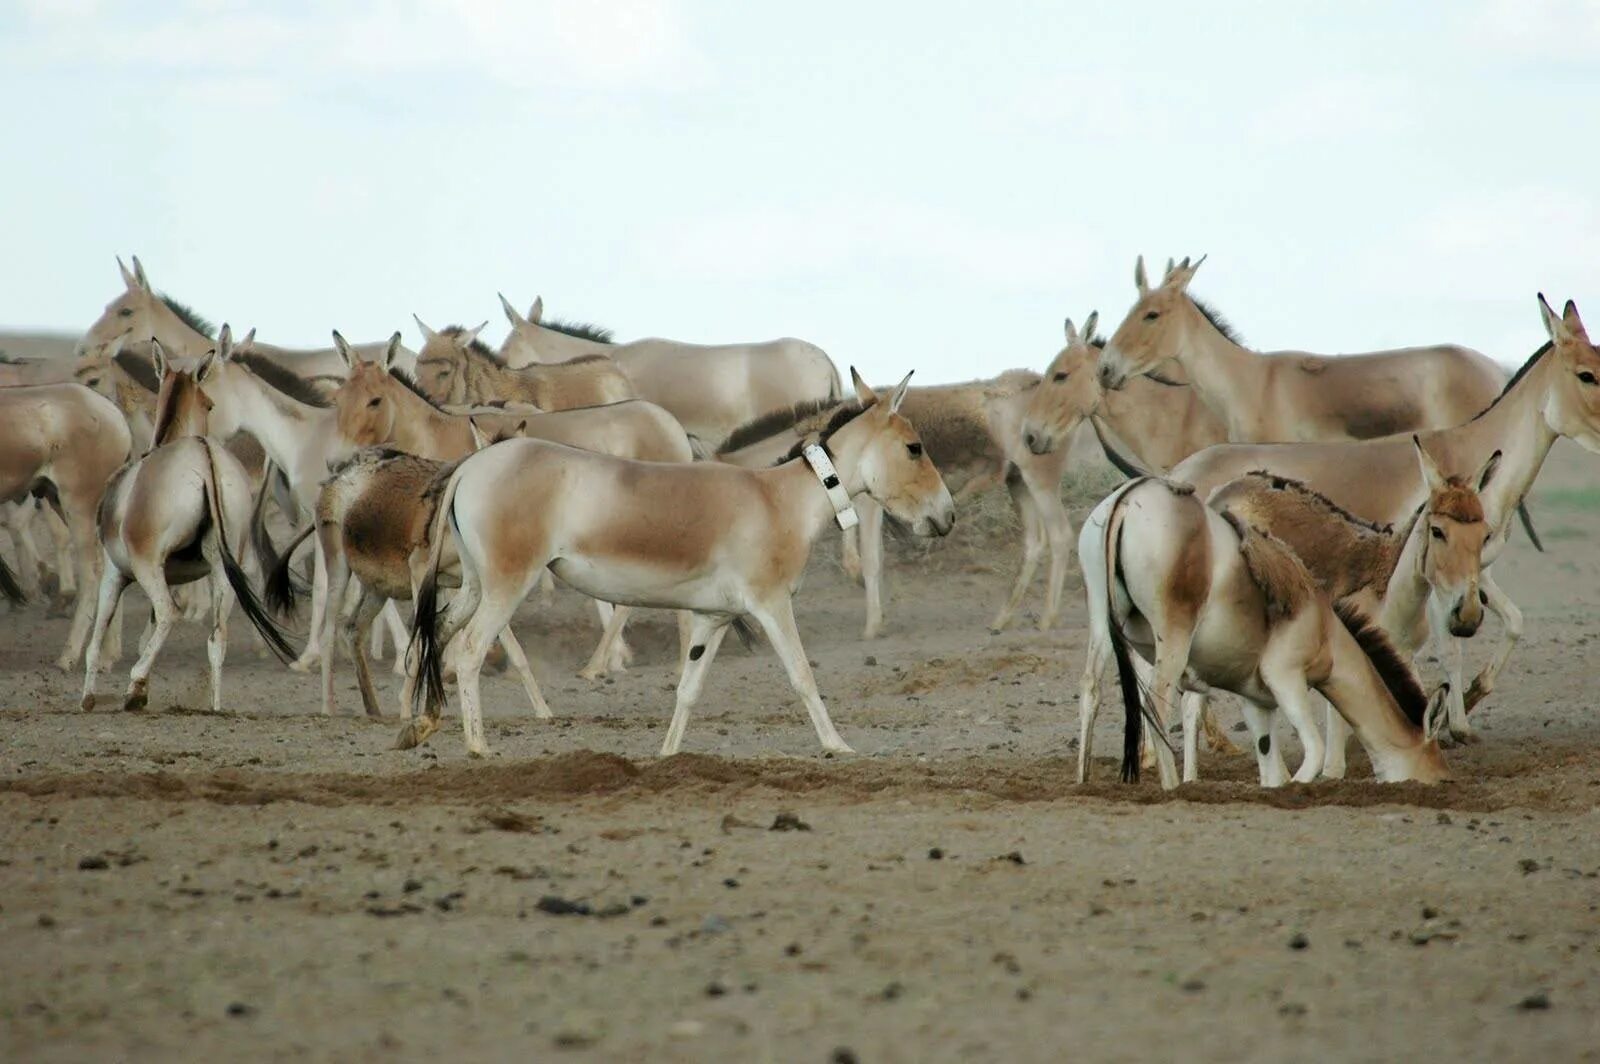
(1527, 526)
(254, 610)
(1132, 710)
(429, 689)
(281, 590)
(10, 590)
(745, 631)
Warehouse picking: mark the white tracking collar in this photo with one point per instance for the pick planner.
(822, 466)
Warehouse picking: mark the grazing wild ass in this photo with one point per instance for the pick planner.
(62, 443)
(1417, 580)
(721, 541)
(971, 433)
(1293, 396)
(170, 518)
(711, 389)
(1556, 393)
(1207, 599)
(140, 312)
(378, 404)
(457, 368)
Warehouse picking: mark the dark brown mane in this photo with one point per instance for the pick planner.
(1218, 322)
(141, 369)
(286, 381)
(476, 347)
(765, 426)
(583, 330)
(841, 417)
(1391, 668)
(1522, 371)
(414, 388)
(1281, 483)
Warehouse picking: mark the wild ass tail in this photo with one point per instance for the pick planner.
(280, 599)
(271, 634)
(10, 589)
(429, 689)
(1527, 525)
(1132, 709)
(279, 589)
(1126, 464)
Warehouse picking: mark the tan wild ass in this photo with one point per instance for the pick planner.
(1417, 580)
(1293, 396)
(1556, 393)
(1213, 603)
(456, 367)
(711, 389)
(140, 312)
(170, 518)
(721, 541)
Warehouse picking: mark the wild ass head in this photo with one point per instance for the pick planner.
(1068, 393)
(367, 403)
(442, 361)
(1456, 530)
(140, 311)
(1155, 329)
(1573, 406)
(182, 408)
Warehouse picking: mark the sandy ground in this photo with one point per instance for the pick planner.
(272, 883)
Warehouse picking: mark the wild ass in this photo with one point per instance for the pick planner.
(1556, 393)
(1415, 581)
(1293, 396)
(456, 367)
(723, 542)
(140, 312)
(62, 443)
(711, 389)
(970, 431)
(1213, 603)
(169, 518)
(378, 404)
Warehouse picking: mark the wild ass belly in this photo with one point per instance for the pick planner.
(633, 582)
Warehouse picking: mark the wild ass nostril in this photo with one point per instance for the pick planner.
(1483, 599)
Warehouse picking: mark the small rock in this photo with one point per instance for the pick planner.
(792, 950)
(557, 906)
(1535, 1002)
(936, 854)
(788, 822)
(1429, 912)
(1192, 986)
(46, 920)
(239, 1008)
(93, 864)
(844, 1055)
(1443, 818)
(893, 991)
(715, 989)
(731, 883)
(1015, 857)
(870, 659)
(1528, 865)
(1299, 941)
(411, 886)
(1291, 1008)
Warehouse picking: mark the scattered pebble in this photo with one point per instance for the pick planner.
(715, 989)
(1015, 857)
(1528, 865)
(239, 1008)
(844, 1055)
(558, 906)
(936, 854)
(93, 864)
(788, 822)
(1299, 941)
(1536, 1002)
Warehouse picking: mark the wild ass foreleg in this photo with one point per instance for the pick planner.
(1497, 600)
(850, 553)
(165, 612)
(368, 610)
(600, 661)
(1338, 734)
(319, 609)
(1033, 540)
(519, 662)
(705, 636)
(1269, 757)
(1289, 689)
(777, 620)
(217, 641)
(68, 579)
(87, 565)
(339, 619)
(871, 529)
(112, 585)
(397, 635)
(618, 653)
(19, 519)
(1094, 671)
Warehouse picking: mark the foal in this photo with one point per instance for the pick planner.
(456, 367)
(720, 541)
(169, 518)
(1216, 604)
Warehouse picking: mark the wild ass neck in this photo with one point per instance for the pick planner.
(1228, 378)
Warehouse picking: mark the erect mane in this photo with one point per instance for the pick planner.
(1221, 324)
(140, 369)
(583, 330)
(414, 388)
(841, 417)
(477, 347)
(765, 426)
(1391, 668)
(190, 317)
(1300, 487)
(283, 380)
(1285, 583)
(1522, 371)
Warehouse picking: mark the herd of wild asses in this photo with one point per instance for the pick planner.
(1291, 523)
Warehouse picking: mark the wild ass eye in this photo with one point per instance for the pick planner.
(914, 450)
(1588, 378)
(1061, 376)
(93, 382)
(1152, 316)
(374, 401)
(125, 312)
(1438, 533)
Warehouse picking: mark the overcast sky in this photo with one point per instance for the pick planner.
(930, 185)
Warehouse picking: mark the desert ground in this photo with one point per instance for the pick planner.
(272, 883)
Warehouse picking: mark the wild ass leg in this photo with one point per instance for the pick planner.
(1269, 758)
(871, 529)
(1033, 537)
(1338, 734)
(87, 565)
(705, 636)
(112, 583)
(777, 620)
(618, 654)
(217, 641)
(519, 662)
(1094, 671)
(604, 651)
(338, 619)
(1497, 600)
(850, 553)
(397, 635)
(164, 612)
(19, 518)
(1289, 689)
(319, 608)
(367, 610)
(62, 537)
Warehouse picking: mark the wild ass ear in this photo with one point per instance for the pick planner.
(138, 274)
(1431, 474)
(864, 393)
(1486, 471)
(128, 278)
(479, 440)
(1553, 324)
(392, 350)
(899, 395)
(1171, 265)
(536, 312)
(422, 327)
(341, 345)
(1072, 333)
(465, 337)
(247, 343)
(1139, 278)
(1089, 325)
(1574, 324)
(1179, 278)
(225, 342)
(207, 364)
(1437, 715)
(158, 355)
(512, 315)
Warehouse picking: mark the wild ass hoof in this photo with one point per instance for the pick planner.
(1476, 693)
(136, 701)
(87, 703)
(416, 732)
(60, 607)
(1460, 737)
(305, 662)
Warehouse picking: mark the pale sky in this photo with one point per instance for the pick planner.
(931, 185)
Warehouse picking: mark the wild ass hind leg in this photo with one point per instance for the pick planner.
(705, 637)
(319, 608)
(1033, 542)
(519, 662)
(391, 619)
(1338, 739)
(871, 539)
(604, 652)
(87, 564)
(217, 640)
(113, 582)
(163, 612)
(1094, 671)
(1269, 755)
(1293, 695)
(1498, 601)
(344, 594)
(368, 610)
(777, 620)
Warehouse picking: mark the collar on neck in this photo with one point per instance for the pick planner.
(817, 458)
